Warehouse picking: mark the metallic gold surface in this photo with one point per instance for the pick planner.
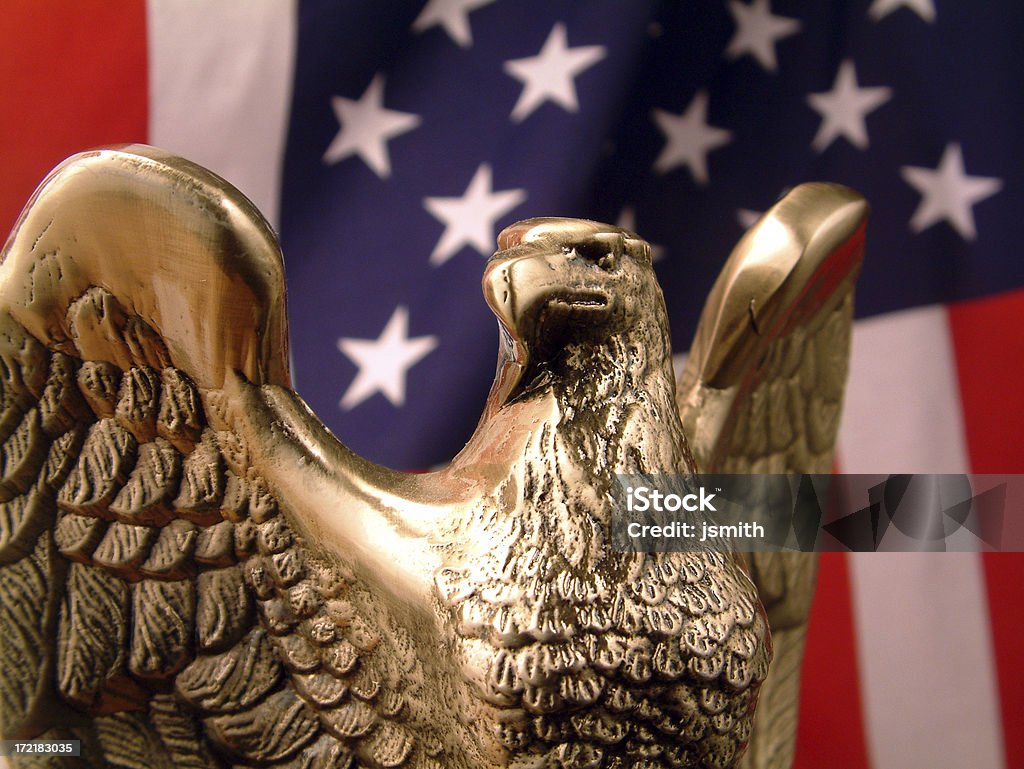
(195, 572)
(762, 393)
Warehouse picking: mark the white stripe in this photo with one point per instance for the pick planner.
(925, 654)
(924, 643)
(220, 83)
(902, 407)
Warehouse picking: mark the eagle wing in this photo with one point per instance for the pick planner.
(150, 577)
(762, 391)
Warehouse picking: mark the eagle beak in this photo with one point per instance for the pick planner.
(507, 282)
(532, 269)
(545, 267)
(513, 285)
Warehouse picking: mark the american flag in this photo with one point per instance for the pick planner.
(388, 142)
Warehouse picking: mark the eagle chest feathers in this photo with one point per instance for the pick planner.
(576, 655)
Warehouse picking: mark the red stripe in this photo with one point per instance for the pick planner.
(988, 336)
(831, 731)
(1003, 574)
(73, 76)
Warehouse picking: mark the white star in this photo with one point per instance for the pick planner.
(948, 193)
(882, 8)
(453, 15)
(550, 75)
(627, 221)
(689, 138)
(844, 108)
(366, 127)
(469, 220)
(384, 362)
(747, 217)
(757, 31)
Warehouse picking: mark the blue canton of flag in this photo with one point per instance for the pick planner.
(417, 134)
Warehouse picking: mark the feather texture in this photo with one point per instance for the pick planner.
(777, 385)
(185, 551)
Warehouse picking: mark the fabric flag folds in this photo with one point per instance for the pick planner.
(389, 142)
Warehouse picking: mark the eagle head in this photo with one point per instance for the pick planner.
(556, 283)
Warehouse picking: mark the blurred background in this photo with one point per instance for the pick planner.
(388, 143)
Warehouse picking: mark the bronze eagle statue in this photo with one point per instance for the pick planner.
(194, 572)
